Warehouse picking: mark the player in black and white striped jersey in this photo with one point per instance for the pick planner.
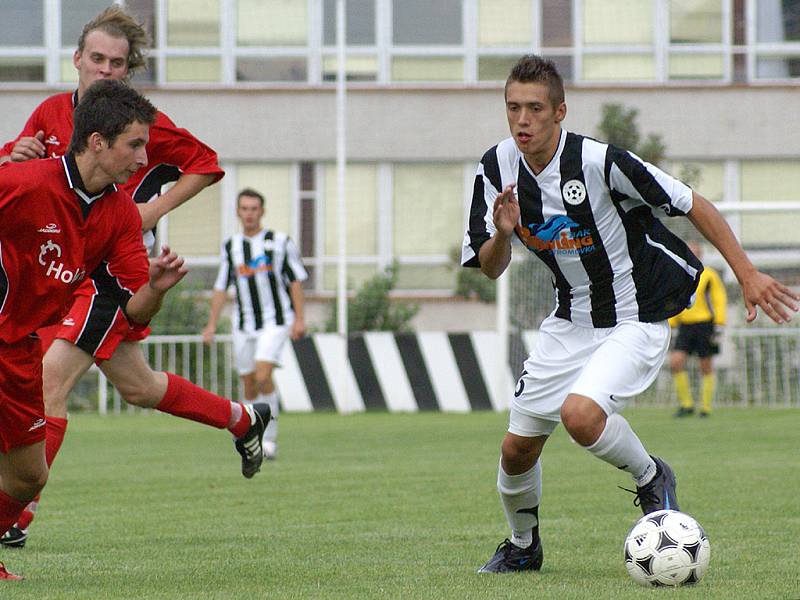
(265, 270)
(590, 212)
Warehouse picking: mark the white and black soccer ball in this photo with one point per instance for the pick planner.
(667, 548)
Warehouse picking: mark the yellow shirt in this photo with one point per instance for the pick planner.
(710, 302)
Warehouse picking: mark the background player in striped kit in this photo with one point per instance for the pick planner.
(698, 333)
(112, 46)
(266, 272)
(589, 211)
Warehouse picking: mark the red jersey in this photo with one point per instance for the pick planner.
(171, 150)
(54, 234)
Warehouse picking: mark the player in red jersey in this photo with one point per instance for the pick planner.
(61, 220)
(95, 330)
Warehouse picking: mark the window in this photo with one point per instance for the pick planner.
(193, 228)
(193, 22)
(425, 22)
(73, 20)
(773, 181)
(271, 23)
(504, 23)
(359, 22)
(617, 22)
(22, 23)
(432, 195)
(361, 200)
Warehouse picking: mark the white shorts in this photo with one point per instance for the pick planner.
(265, 345)
(608, 365)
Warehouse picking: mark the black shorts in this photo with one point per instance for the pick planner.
(698, 339)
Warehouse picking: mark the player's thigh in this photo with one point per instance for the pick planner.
(624, 364)
(555, 362)
(62, 366)
(244, 352)
(270, 343)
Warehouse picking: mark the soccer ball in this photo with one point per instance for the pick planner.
(667, 548)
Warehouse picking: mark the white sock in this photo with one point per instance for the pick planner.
(520, 496)
(271, 434)
(618, 445)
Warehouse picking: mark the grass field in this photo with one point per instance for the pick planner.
(394, 506)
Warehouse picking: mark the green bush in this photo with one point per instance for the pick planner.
(371, 308)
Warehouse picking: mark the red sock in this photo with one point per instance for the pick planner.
(24, 520)
(55, 430)
(10, 510)
(185, 399)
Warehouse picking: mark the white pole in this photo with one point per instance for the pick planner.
(341, 164)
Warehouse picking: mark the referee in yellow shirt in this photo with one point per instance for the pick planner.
(697, 329)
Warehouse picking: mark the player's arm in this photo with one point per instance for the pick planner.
(165, 271)
(298, 301)
(187, 186)
(218, 300)
(495, 253)
(758, 289)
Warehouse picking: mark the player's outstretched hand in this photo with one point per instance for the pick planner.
(27, 148)
(166, 270)
(505, 211)
(774, 298)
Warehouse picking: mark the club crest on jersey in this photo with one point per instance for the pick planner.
(55, 270)
(574, 192)
(558, 235)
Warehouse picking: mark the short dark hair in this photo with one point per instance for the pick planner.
(117, 23)
(532, 68)
(252, 194)
(108, 107)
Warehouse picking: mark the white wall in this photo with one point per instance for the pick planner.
(455, 124)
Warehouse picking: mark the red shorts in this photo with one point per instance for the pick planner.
(21, 404)
(95, 324)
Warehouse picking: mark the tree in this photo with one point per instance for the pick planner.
(618, 126)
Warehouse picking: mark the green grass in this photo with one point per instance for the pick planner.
(394, 506)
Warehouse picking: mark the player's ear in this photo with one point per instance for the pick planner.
(76, 59)
(561, 112)
(96, 141)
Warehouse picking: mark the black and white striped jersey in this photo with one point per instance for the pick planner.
(592, 217)
(260, 268)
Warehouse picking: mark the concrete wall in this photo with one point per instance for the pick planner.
(408, 124)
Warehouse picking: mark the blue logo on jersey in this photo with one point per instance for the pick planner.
(255, 265)
(558, 235)
(550, 229)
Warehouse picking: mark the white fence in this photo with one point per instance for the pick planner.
(758, 367)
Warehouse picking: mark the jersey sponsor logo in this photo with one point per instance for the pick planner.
(574, 192)
(558, 235)
(68, 322)
(259, 264)
(52, 140)
(57, 270)
(49, 228)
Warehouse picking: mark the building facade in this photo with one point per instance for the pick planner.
(719, 80)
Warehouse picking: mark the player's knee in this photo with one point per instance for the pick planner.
(26, 483)
(518, 453)
(583, 419)
(139, 392)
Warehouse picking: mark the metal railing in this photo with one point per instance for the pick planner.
(757, 367)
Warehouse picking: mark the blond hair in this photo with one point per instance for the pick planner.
(117, 23)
